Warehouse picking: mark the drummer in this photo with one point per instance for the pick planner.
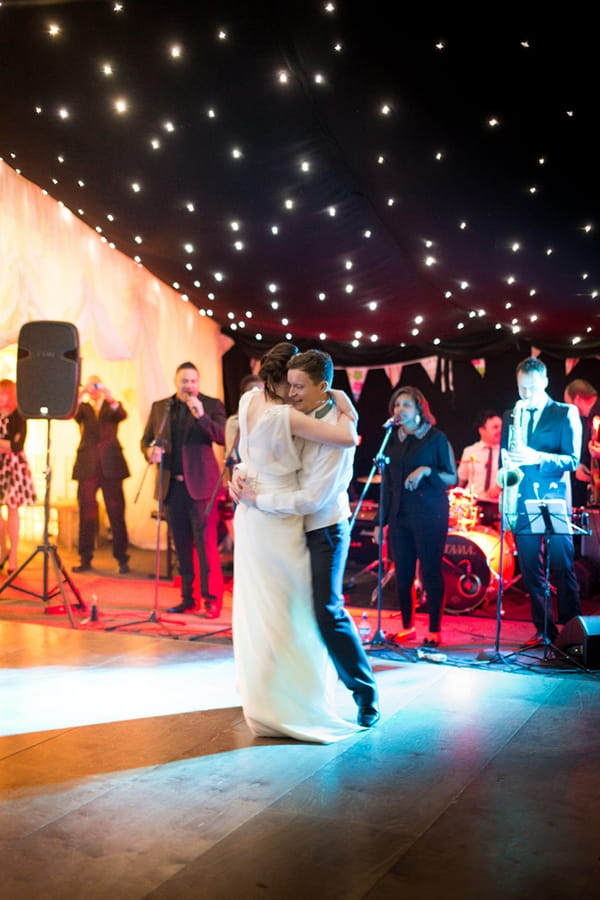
(479, 465)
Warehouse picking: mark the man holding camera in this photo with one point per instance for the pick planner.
(100, 465)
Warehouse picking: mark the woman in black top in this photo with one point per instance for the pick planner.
(420, 472)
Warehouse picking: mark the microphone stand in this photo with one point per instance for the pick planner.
(495, 655)
(154, 616)
(378, 643)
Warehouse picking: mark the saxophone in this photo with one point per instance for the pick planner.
(509, 476)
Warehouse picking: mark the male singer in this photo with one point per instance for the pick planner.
(182, 428)
(547, 450)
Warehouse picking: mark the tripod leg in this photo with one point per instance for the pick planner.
(18, 571)
(57, 573)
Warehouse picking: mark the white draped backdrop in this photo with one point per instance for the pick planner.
(134, 330)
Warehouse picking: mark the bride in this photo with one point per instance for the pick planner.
(285, 677)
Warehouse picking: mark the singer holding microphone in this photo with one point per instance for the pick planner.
(182, 429)
(420, 472)
(541, 439)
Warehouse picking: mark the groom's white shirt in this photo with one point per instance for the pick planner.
(322, 495)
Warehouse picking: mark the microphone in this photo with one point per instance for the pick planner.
(391, 422)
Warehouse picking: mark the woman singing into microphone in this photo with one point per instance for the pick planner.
(420, 472)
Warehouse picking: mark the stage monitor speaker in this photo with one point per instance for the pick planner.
(48, 368)
(580, 638)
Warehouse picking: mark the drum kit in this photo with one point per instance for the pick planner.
(473, 555)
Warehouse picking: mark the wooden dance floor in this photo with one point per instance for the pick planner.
(127, 770)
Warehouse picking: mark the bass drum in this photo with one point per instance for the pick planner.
(471, 565)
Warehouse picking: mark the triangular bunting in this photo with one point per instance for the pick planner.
(429, 363)
(356, 377)
(479, 365)
(570, 364)
(393, 372)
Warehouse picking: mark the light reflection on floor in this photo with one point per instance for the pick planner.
(42, 698)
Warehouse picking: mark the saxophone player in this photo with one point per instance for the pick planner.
(545, 450)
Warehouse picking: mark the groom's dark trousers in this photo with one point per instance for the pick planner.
(328, 548)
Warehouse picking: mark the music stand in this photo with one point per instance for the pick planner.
(378, 643)
(50, 554)
(547, 517)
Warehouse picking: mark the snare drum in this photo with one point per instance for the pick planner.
(471, 565)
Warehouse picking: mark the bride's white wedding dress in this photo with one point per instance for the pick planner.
(285, 677)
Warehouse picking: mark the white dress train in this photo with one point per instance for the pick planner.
(285, 677)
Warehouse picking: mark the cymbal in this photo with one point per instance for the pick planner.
(376, 479)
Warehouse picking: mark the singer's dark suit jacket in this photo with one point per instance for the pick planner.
(558, 433)
(200, 469)
(99, 451)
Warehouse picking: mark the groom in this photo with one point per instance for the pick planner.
(323, 501)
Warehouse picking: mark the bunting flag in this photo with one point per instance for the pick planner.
(356, 377)
(479, 365)
(535, 351)
(429, 363)
(570, 364)
(394, 373)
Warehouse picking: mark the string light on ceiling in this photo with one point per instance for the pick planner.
(361, 178)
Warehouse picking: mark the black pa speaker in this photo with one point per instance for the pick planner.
(580, 638)
(48, 368)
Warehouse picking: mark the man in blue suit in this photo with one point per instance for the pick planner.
(546, 447)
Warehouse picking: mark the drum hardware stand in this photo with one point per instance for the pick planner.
(378, 643)
(372, 567)
(154, 616)
(49, 552)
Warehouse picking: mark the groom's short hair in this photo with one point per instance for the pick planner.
(317, 364)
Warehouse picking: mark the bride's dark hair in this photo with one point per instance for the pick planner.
(273, 367)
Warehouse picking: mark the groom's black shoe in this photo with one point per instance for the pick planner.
(368, 715)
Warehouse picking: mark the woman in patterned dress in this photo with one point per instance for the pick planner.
(16, 483)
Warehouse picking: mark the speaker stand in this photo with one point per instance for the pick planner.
(50, 556)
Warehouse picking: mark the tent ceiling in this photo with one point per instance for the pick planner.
(388, 184)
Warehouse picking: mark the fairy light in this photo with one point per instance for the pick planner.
(379, 109)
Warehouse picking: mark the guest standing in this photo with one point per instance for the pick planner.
(16, 483)
(420, 472)
(100, 466)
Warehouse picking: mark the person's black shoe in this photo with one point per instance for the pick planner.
(124, 568)
(182, 607)
(367, 716)
(82, 567)
(211, 611)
